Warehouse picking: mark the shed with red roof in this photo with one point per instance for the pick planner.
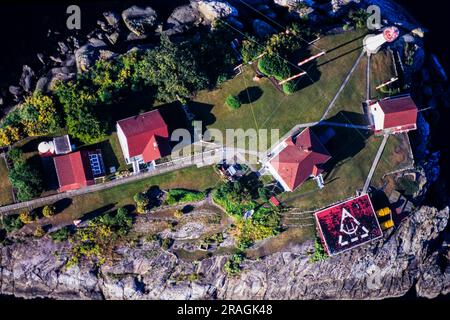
(73, 171)
(300, 158)
(394, 115)
(143, 138)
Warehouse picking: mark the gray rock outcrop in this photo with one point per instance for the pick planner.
(415, 256)
(139, 20)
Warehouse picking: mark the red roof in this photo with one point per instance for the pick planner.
(348, 225)
(399, 112)
(302, 158)
(73, 171)
(147, 135)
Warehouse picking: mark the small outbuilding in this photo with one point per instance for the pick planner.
(394, 115)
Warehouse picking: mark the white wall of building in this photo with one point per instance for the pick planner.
(123, 144)
(378, 116)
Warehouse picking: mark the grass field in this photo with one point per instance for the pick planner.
(348, 174)
(191, 178)
(5, 187)
(265, 107)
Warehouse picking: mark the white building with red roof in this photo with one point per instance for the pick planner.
(299, 159)
(143, 138)
(394, 115)
(78, 169)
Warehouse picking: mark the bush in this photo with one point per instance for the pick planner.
(274, 66)
(48, 211)
(407, 186)
(39, 232)
(12, 223)
(290, 87)
(233, 265)
(233, 102)
(319, 252)
(177, 196)
(264, 194)
(178, 214)
(61, 235)
(142, 201)
(26, 217)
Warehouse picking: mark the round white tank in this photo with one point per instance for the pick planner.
(46, 147)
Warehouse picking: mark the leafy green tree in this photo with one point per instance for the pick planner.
(172, 70)
(250, 49)
(26, 181)
(81, 120)
(11, 223)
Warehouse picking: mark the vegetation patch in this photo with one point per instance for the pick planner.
(178, 196)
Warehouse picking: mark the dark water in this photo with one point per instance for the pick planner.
(24, 33)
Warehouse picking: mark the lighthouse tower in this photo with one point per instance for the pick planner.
(373, 43)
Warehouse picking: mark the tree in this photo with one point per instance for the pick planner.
(9, 135)
(142, 201)
(233, 102)
(48, 211)
(26, 180)
(39, 115)
(11, 223)
(172, 70)
(81, 120)
(250, 49)
(26, 217)
(264, 193)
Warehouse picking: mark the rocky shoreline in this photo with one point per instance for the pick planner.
(415, 256)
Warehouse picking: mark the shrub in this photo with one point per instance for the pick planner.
(408, 186)
(319, 252)
(12, 223)
(264, 194)
(142, 201)
(61, 235)
(48, 211)
(26, 217)
(39, 232)
(166, 243)
(178, 214)
(233, 265)
(177, 196)
(233, 102)
(290, 87)
(274, 66)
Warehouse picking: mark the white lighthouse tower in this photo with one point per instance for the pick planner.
(373, 43)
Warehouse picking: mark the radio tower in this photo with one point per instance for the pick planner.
(373, 43)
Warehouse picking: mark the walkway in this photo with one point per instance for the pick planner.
(375, 164)
(344, 84)
(175, 165)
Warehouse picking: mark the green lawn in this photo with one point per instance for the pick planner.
(191, 178)
(348, 107)
(5, 187)
(382, 70)
(349, 169)
(270, 108)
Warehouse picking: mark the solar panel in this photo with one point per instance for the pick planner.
(96, 164)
